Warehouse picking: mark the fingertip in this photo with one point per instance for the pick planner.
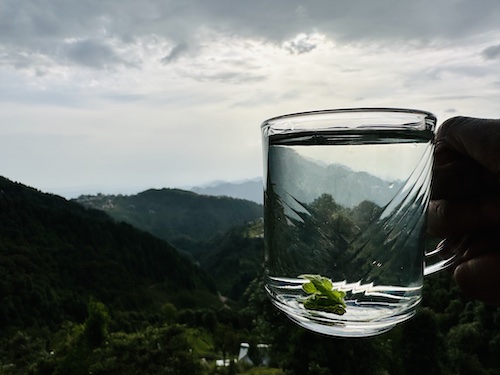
(479, 277)
(451, 122)
(475, 138)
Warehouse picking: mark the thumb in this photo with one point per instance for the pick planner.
(479, 277)
(474, 138)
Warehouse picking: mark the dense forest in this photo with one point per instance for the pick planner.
(84, 293)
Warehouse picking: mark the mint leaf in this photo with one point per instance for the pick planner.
(322, 295)
(322, 303)
(309, 288)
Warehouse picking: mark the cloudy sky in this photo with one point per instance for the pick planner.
(117, 96)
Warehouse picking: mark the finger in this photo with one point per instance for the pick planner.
(455, 218)
(479, 277)
(470, 245)
(462, 178)
(478, 139)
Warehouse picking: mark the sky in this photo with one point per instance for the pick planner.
(118, 96)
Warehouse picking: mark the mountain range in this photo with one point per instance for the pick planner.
(176, 215)
(347, 187)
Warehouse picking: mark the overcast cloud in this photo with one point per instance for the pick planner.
(121, 95)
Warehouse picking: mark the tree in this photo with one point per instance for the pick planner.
(226, 340)
(464, 343)
(169, 312)
(96, 326)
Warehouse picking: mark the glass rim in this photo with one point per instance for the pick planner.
(350, 110)
(354, 119)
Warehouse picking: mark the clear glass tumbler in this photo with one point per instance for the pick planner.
(346, 193)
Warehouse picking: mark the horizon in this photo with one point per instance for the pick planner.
(75, 192)
(70, 193)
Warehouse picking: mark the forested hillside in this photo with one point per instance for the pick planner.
(174, 215)
(55, 255)
(234, 258)
(81, 293)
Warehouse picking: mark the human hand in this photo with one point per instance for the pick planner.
(465, 202)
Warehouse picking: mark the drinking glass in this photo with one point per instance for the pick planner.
(346, 193)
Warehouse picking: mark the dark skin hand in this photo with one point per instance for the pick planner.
(465, 202)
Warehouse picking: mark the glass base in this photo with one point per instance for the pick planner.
(366, 315)
(345, 328)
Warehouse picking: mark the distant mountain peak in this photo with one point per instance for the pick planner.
(251, 189)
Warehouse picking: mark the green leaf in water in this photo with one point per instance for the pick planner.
(322, 296)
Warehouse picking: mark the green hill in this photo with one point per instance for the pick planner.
(234, 258)
(55, 255)
(222, 234)
(174, 215)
